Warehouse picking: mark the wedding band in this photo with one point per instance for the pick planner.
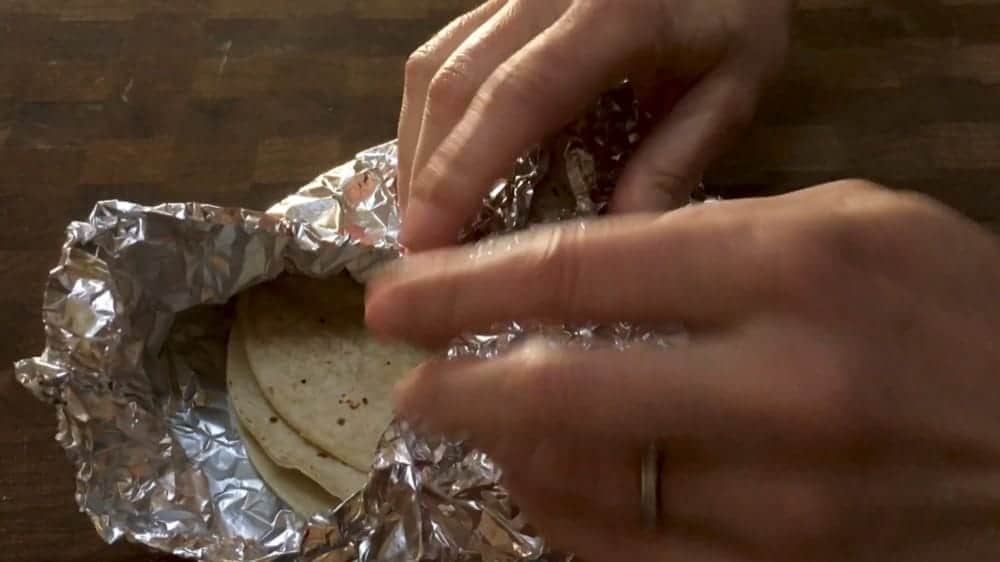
(649, 488)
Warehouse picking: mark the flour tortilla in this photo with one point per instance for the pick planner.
(300, 493)
(317, 365)
(279, 441)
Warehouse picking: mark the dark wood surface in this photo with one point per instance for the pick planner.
(239, 101)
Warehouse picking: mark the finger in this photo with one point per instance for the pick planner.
(534, 93)
(420, 69)
(574, 523)
(460, 77)
(671, 160)
(593, 542)
(544, 412)
(788, 511)
(760, 508)
(696, 266)
(713, 395)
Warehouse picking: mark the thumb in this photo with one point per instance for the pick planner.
(670, 162)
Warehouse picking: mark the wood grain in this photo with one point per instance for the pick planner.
(238, 101)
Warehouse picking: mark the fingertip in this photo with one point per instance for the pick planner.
(416, 221)
(403, 397)
(646, 187)
(425, 226)
(380, 312)
(419, 397)
(640, 198)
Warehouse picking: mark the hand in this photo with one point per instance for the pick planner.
(505, 75)
(838, 397)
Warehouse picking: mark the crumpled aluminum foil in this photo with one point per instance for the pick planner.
(136, 325)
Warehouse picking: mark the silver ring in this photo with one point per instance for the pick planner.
(649, 488)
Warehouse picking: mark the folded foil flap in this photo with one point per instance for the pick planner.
(135, 333)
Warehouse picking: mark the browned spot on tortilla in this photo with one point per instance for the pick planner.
(304, 381)
(322, 455)
(341, 421)
(274, 419)
(364, 401)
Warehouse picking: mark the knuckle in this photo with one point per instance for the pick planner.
(864, 225)
(856, 186)
(440, 184)
(539, 13)
(450, 90)
(858, 196)
(742, 109)
(912, 205)
(593, 7)
(669, 180)
(557, 270)
(868, 222)
(452, 312)
(737, 106)
(420, 67)
(520, 88)
(539, 381)
(816, 256)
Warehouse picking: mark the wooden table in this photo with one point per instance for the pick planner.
(239, 101)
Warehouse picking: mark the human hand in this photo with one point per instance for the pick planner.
(838, 397)
(505, 75)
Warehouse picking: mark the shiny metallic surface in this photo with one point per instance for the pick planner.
(135, 325)
(649, 488)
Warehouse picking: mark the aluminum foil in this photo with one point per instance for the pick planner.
(136, 322)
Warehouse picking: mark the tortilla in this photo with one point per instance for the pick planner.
(300, 493)
(317, 365)
(281, 443)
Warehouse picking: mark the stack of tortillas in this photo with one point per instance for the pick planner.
(311, 387)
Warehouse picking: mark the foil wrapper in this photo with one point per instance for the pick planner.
(136, 325)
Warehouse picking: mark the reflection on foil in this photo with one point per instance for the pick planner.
(133, 363)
